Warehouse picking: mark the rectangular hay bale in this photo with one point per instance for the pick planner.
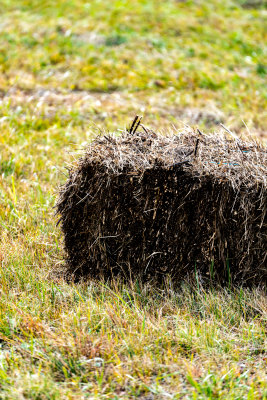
(148, 205)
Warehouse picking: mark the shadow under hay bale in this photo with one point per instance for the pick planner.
(147, 205)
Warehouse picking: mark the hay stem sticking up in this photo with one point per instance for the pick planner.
(136, 122)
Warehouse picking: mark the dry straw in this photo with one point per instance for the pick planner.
(147, 205)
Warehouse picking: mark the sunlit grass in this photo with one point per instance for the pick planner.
(195, 54)
(123, 340)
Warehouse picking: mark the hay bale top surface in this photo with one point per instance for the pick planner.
(241, 163)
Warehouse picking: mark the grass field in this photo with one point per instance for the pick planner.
(69, 68)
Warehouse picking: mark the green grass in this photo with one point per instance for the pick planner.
(68, 69)
(115, 341)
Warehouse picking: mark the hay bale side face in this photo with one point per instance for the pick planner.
(133, 205)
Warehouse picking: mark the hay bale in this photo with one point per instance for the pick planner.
(147, 205)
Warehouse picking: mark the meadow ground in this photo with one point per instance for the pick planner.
(67, 70)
